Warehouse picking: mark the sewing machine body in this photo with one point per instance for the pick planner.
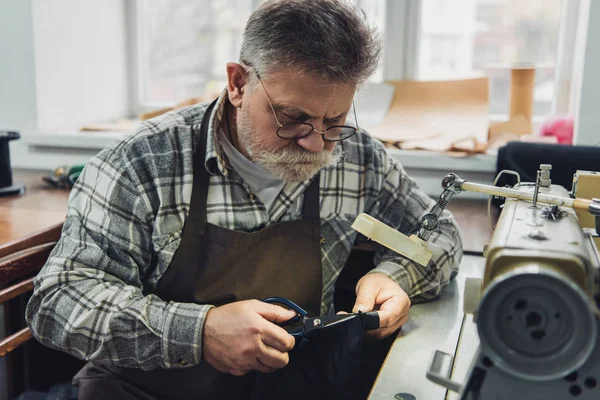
(529, 234)
(489, 383)
(535, 309)
(535, 306)
(537, 317)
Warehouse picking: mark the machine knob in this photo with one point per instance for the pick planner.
(545, 180)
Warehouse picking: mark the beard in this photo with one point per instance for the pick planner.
(292, 163)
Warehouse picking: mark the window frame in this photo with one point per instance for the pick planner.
(402, 33)
(136, 73)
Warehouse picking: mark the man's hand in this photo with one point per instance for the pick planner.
(241, 337)
(378, 292)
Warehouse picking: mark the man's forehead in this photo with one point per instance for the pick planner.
(314, 99)
(314, 103)
(304, 83)
(330, 90)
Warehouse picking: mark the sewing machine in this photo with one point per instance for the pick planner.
(536, 307)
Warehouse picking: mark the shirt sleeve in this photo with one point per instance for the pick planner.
(88, 299)
(401, 204)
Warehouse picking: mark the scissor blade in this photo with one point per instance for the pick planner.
(326, 321)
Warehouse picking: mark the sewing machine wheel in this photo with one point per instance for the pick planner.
(536, 324)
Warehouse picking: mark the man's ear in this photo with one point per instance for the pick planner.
(236, 83)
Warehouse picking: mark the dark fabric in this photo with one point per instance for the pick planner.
(325, 365)
(62, 391)
(200, 382)
(97, 384)
(216, 266)
(525, 158)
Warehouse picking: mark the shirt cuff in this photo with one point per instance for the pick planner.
(395, 272)
(182, 334)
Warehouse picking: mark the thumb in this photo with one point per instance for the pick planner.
(366, 292)
(272, 312)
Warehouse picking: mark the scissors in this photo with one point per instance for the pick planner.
(302, 325)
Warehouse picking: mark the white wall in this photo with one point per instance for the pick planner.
(17, 89)
(80, 60)
(17, 83)
(63, 64)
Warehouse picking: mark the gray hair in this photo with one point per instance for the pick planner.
(328, 38)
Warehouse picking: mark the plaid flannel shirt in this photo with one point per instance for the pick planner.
(93, 298)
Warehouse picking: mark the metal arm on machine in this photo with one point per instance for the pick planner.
(415, 247)
(591, 206)
(430, 221)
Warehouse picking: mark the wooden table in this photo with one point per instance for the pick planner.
(41, 206)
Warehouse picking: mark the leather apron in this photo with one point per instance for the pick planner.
(216, 266)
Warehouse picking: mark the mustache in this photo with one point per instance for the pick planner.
(296, 154)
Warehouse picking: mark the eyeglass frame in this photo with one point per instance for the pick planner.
(280, 125)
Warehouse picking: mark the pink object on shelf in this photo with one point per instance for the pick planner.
(559, 127)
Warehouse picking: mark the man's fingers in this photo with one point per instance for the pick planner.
(387, 318)
(389, 324)
(366, 293)
(364, 303)
(273, 358)
(277, 338)
(386, 331)
(392, 310)
(272, 312)
(264, 368)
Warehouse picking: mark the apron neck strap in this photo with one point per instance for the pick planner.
(197, 212)
(311, 208)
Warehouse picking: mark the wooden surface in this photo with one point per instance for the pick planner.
(16, 290)
(12, 342)
(471, 216)
(40, 207)
(435, 325)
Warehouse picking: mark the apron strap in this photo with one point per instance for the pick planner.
(311, 209)
(197, 210)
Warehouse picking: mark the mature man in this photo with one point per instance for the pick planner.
(175, 233)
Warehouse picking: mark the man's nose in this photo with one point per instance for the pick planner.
(313, 142)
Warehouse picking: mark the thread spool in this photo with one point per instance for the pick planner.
(7, 187)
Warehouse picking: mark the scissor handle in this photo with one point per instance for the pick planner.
(300, 312)
(296, 331)
(287, 302)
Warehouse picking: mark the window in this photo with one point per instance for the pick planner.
(183, 45)
(462, 38)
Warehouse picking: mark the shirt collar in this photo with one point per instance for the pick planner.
(215, 160)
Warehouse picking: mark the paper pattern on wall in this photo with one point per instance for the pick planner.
(435, 115)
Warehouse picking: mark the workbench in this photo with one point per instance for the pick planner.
(437, 325)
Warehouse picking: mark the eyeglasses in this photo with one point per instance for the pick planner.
(298, 130)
